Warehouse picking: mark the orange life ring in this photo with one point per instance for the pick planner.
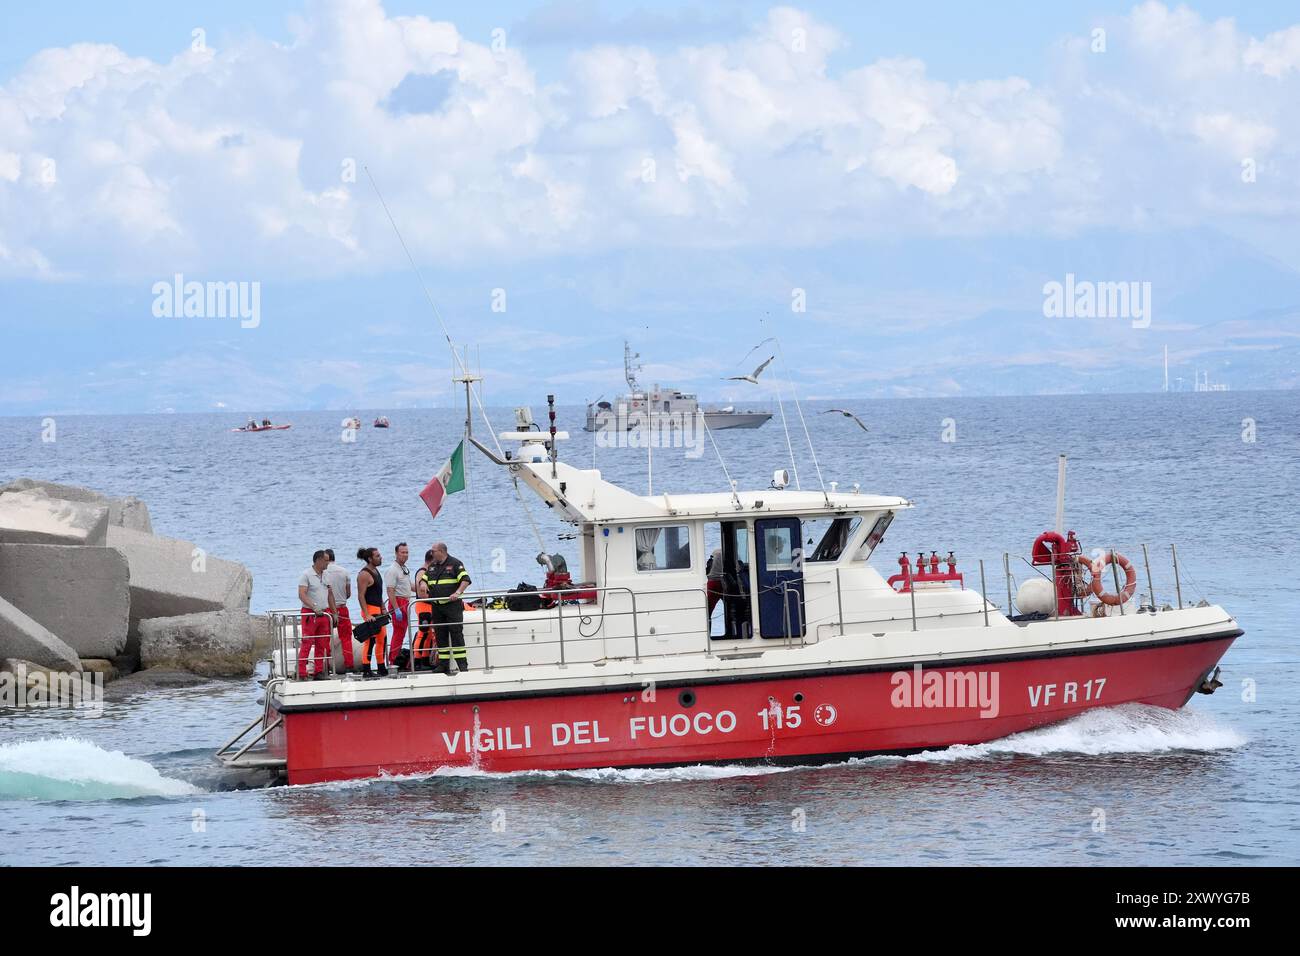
(1096, 568)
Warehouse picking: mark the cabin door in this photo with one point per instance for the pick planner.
(780, 577)
(730, 612)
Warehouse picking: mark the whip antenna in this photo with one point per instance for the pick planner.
(799, 408)
(464, 368)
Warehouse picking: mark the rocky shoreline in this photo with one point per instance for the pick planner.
(85, 584)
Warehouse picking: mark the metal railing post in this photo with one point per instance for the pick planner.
(839, 600)
(804, 627)
(1114, 569)
(911, 590)
(559, 608)
(1177, 584)
(1151, 587)
(636, 634)
(983, 597)
(1006, 570)
(487, 661)
(785, 605)
(334, 634)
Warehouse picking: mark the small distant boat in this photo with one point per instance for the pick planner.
(353, 423)
(264, 427)
(382, 422)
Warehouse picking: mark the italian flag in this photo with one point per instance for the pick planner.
(450, 478)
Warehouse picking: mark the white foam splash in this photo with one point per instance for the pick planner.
(1127, 729)
(594, 775)
(68, 768)
(629, 774)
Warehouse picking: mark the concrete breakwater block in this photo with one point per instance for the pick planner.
(126, 512)
(170, 577)
(23, 638)
(210, 643)
(33, 517)
(81, 594)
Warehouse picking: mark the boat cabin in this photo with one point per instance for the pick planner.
(719, 573)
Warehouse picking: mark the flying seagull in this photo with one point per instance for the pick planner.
(752, 377)
(847, 414)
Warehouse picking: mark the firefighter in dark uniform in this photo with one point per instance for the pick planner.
(447, 581)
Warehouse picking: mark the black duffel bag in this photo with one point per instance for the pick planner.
(368, 629)
(524, 598)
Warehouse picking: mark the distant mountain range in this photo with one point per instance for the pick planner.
(959, 316)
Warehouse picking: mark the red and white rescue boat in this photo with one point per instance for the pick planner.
(734, 627)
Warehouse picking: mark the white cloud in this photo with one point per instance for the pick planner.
(1277, 54)
(232, 161)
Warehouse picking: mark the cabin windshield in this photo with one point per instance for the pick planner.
(874, 536)
(830, 536)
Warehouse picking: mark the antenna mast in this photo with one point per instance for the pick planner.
(467, 378)
(630, 366)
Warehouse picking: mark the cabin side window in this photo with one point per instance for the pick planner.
(665, 548)
(829, 544)
(874, 536)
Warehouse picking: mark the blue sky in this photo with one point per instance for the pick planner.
(958, 40)
(571, 174)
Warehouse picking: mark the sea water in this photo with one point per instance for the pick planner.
(1215, 783)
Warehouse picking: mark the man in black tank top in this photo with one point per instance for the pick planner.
(370, 595)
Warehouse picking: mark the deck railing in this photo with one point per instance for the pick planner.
(287, 623)
(1146, 598)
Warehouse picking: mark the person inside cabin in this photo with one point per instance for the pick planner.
(340, 586)
(370, 596)
(713, 578)
(318, 610)
(423, 644)
(449, 581)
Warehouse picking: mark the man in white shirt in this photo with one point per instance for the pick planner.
(318, 615)
(397, 581)
(340, 585)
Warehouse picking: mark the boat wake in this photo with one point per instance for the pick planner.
(1126, 729)
(67, 768)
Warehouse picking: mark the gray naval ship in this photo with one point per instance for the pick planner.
(662, 407)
